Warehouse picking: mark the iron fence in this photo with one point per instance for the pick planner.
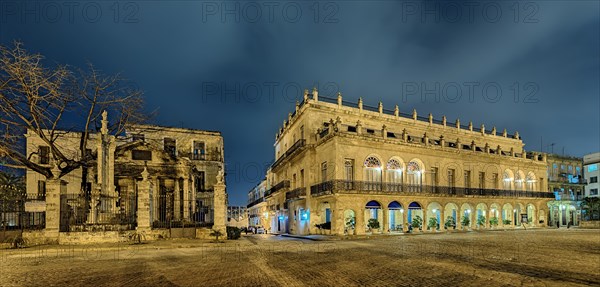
(26, 211)
(87, 212)
(172, 210)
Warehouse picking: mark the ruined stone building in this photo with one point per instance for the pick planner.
(343, 165)
(182, 167)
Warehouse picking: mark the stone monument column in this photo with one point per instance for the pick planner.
(143, 202)
(220, 204)
(54, 188)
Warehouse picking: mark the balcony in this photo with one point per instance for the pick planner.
(295, 193)
(366, 187)
(255, 202)
(282, 185)
(204, 157)
(295, 147)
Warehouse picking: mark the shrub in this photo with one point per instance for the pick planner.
(432, 224)
(233, 232)
(506, 221)
(326, 225)
(216, 233)
(417, 222)
(494, 221)
(450, 222)
(350, 222)
(465, 221)
(137, 237)
(373, 223)
(480, 220)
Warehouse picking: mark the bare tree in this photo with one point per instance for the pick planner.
(54, 101)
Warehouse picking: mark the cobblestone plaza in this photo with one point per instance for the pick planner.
(539, 257)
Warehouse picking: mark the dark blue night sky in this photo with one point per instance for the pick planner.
(239, 67)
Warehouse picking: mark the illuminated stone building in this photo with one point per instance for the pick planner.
(591, 171)
(257, 207)
(565, 181)
(342, 164)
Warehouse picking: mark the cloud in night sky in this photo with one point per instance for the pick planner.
(373, 50)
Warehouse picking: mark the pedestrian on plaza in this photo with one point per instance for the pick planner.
(568, 224)
(557, 226)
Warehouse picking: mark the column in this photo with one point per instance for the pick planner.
(155, 199)
(386, 219)
(360, 222)
(177, 201)
(405, 220)
(144, 221)
(186, 199)
(54, 188)
(220, 205)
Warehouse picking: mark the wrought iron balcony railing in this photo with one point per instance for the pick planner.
(348, 186)
(296, 146)
(283, 184)
(295, 193)
(255, 202)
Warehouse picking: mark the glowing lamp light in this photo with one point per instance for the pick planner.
(280, 217)
(266, 215)
(401, 210)
(468, 211)
(562, 206)
(434, 210)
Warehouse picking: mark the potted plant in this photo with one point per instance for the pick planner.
(450, 223)
(493, 222)
(373, 224)
(506, 222)
(480, 221)
(417, 222)
(350, 223)
(432, 224)
(465, 222)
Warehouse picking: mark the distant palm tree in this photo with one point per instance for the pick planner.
(11, 186)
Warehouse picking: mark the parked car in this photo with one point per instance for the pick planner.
(260, 230)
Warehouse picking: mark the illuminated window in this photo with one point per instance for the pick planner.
(592, 167)
(413, 171)
(394, 171)
(373, 169)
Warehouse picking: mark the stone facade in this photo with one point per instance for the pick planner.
(152, 177)
(565, 181)
(257, 207)
(343, 163)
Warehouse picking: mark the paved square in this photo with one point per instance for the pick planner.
(493, 258)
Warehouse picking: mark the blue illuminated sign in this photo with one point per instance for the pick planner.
(592, 167)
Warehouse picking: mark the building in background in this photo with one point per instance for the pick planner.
(591, 173)
(352, 169)
(182, 167)
(237, 216)
(257, 207)
(566, 181)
